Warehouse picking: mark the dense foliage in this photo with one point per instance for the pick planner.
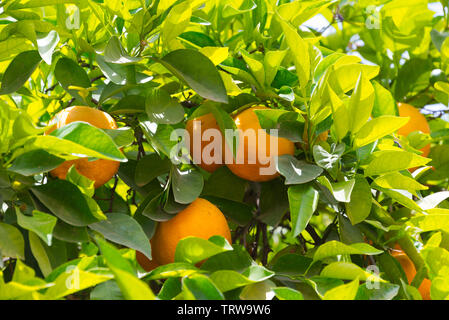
(326, 228)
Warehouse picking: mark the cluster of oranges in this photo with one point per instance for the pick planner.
(245, 121)
(201, 218)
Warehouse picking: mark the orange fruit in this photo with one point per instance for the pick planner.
(200, 219)
(410, 271)
(197, 127)
(101, 170)
(146, 263)
(417, 122)
(248, 165)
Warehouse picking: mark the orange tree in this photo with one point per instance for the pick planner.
(100, 198)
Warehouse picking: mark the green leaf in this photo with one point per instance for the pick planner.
(413, 76)
(113, 257)
(150, 167)
(124, 230)
(218, 182)
(300, 51)
(199, 287)
(132, 287)
(431, 222)
(292, 264)
(359, 206)
(396, 180)
(268, 118)
(344, 292)
(237, 259)
(74, 280)
(360, 104)
(19, 71)
(161, 108)
(328, 160)
(46, 44)
(128, 104)
(122, 137)
(238, 211)
(296, 171)
(303, 201)
(433, 200)
(258, 291)
(40, 254)
(389, 161)
(153, 208)
(35, 162)
(90, 137)
(40, 223)
(108, 290)
(66, 201)
(69, 73)
(385, 291)
(172, 270)
(114, 53)
(256, 67)
(159, 135)
(197, 38)
(378, 128)
(286, 293)
(85, 184)
(272, 62)
(400, 197)
(116, 73)
(340, 190)
(193, 249)
(69, 233)
(198, 72)
(186, 185)
(335, 248)
(273, 204)
(384, 103)
(227, 280)
(170, 289)
(11, 242)
(177, 20)
(348, 271)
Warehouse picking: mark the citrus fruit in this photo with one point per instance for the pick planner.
(101, 170)
(410, 271)
(196, 128)
(417, 122)
(248, 163)
(200, 219)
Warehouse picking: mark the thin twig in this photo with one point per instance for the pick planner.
(266, 247)
(111, 201)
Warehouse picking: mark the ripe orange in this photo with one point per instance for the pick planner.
(410, 271)
(417, 122)
(249, 148)
(101, 170)
(200, 219)
(198, 126)
(146, 263)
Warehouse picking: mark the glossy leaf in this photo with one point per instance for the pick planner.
(19, 71)
(198, 72)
